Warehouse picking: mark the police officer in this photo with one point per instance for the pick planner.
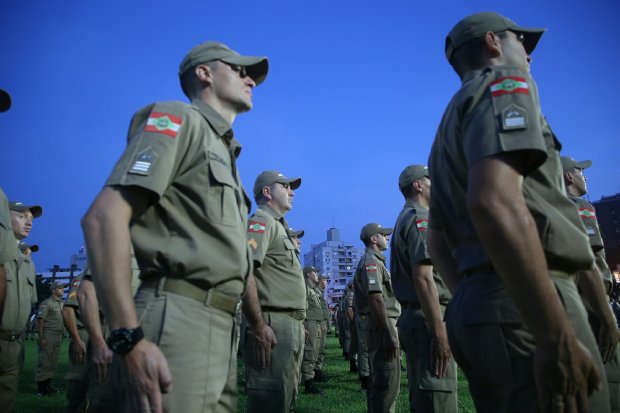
(51, 329)
(319, 374)
(503, 229)
(77, 371)
(296, 236)
(312, 325)
(596, 285)
(374, 298)
(423, 295)
(275, 300)
(176, 194)
(20, 295)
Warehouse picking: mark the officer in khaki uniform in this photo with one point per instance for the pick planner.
(177, 196)
(602, 320)
(21, 294)
(505, 234)
(319, 374)
(275, 341)
(77, 371)
(51, 330)
(296, 236)
(312, 325)
(374, 299)
(423, 296)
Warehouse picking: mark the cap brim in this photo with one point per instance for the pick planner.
(34, 248)
(583, 164)
(386, 231)
(300, 234)
(255, 66)
(36, 211)
(5, 101)
(293, 182)
(531, 36)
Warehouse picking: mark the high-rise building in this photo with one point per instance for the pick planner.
(608, 216)
(336, 259)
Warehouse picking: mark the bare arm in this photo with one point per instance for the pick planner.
(41, 331)
(265, 337)
(564, 370)
(442, 259)
(593, 294)
(89, 305)
(379, 315)
(77, 348)
(106, 230)
(426, 290)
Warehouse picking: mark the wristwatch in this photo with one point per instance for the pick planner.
(122, 340)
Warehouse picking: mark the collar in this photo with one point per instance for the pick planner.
(414, 205)
(219, 124)
(270, 211)
(377, 254)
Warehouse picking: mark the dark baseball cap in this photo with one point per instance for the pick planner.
(267, 178)
(57, 285)
(477, 25)
(410, 174)
(24, 246)
(296, 234)
(255, 66)
(308, 269)
(5, 100)
(371, 229)
(36, 210)
(569, 164)
(323, 277)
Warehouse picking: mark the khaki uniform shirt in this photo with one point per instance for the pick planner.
(372, 276)
(72, 300)
(314, 311)
(588, 217)
(21, 293)
(185, 155)
(497, 111)
(50, 312)
(408, 247)
(279, 276)
(7, 239)
(324, 305)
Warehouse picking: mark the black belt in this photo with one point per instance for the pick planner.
(296, 314)
(9, 336)
(211, 297)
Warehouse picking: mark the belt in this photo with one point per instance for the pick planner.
(296, 314)
(9, 336)
(211, 297)
(477, 270)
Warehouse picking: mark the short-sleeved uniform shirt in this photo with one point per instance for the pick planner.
(185, 154)
(371, 277)
(279, 276)
(324, 305)
(497, 111)
(21, 292)
(587, 214)
(72, 300)
(7, 239)
(50, 312)
(408, 247)
(314, 311)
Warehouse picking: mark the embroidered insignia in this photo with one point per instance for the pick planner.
(587, 213)
(372, 281)
(591, 231)
(371, 268)
(509, 84)
(513, 117)
(256, 226)
(144, 161)
(422, 224)
(163, 123)
(252, 243)
(73, 294)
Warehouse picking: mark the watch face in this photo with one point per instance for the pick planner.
(122, 340)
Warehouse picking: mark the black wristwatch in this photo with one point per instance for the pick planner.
(122, 340)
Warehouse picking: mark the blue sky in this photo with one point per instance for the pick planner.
(355, 92)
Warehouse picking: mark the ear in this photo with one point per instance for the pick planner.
(493, 44)
(568, 178)
(204, 73)
(267, 193)
(417, 185)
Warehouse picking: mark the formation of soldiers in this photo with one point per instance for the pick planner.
(483, 269)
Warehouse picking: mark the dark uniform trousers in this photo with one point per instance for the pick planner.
(311, 349)
(11, 363)
(362, 346)
(274, 389)
(496, 351)
(321, 356)
(384, 374)
(427, 393)
(48, 355)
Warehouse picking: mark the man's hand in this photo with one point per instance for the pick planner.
(101, 359)
(565, 375)
(265, 341)
(441, 353)
(149, 377)
(607, 339)
(77, 350)
(42, 342)
(390, 345)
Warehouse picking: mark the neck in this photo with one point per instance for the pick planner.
(276, 208)
(573, 192)
(225, 111)
(419, 199)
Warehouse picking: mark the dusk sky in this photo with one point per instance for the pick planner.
(355, 92)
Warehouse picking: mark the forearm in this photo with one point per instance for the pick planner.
(251, 304)
(89, 305)
(68, 316)
(350, 314)
(593, 293)
(426, 291)
(378, 313)
(442, 259)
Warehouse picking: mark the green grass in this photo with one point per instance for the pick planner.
(342, 392)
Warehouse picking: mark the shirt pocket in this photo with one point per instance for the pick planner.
(222, 203)
(290, 248)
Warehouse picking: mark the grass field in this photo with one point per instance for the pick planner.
(342, 394)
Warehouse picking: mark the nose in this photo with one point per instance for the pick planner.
(249, 81)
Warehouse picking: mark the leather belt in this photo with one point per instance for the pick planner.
(296, 314)
(9, 336)
(211, 297)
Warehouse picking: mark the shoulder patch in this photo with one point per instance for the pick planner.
(587, 213)
(257, 226)
(163, 123)
(422, 224)
(509, 84)
(514, 117)
(371, 268)
(144, 160)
